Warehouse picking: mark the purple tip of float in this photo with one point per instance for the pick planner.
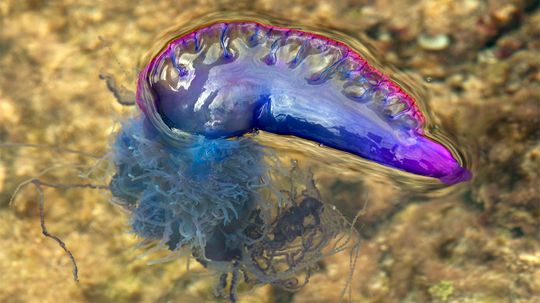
(229, 78)
(428, 157)
(458, 175)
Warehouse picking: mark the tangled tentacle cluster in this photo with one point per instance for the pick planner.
(229, 203)
(179, 195)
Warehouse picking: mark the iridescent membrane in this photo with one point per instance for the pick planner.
(228, 79)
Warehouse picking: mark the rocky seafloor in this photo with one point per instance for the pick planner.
(481, 60)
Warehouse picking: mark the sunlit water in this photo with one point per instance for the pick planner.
(56, 101)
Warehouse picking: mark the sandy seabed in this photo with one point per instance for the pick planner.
(481, 244)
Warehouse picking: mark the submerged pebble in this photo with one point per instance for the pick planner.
(433, 43)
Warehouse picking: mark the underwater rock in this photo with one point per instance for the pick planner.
(433, 43)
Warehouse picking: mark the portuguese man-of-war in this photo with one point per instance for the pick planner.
(191, 168)
(194, 177)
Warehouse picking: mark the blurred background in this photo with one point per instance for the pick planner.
(478, 60)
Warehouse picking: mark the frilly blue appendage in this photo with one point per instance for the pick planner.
(226, 201)
(179, 195)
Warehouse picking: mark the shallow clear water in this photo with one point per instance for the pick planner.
(420, 241)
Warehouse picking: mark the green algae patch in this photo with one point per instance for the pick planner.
(442, 290)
